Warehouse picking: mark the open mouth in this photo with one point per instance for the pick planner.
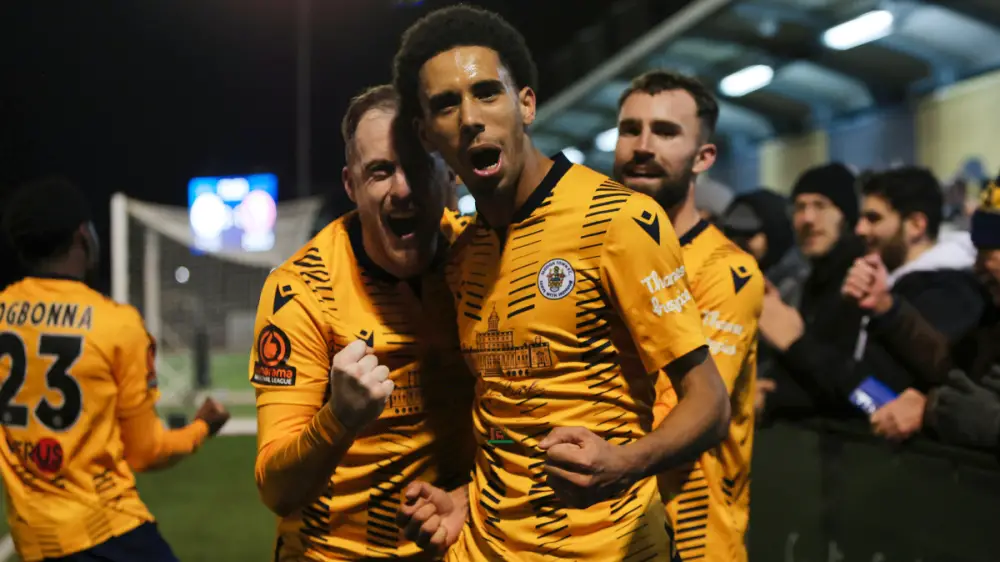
(645, 173)
(485, 160)
(402, 224)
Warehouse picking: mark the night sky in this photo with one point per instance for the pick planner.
(140, 96)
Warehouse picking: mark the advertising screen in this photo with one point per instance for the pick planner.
(233, 213)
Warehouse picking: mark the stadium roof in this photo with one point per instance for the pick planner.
(807, 75)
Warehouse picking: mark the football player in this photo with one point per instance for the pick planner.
(665, 124)
(77, 401)
(337, 446)
(571, 300)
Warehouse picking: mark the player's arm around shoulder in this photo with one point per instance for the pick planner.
(148, 444)
(730, 294)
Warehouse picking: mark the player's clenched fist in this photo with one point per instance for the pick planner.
(359, 386)
(214, 415)
(431, 517)
(584, 469)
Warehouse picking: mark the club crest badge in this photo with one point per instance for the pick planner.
(556, 279)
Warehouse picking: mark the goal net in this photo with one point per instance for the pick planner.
(193, 300)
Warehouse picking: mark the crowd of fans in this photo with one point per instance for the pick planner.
(876, 307)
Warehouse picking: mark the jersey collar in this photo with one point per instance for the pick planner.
(560, 165)
(366, 263)
(56, 276)
(697, 229)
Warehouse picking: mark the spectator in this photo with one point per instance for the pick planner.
(759, 222)
(965, 408)
(900, 223)
(825, 212)
(711, 198)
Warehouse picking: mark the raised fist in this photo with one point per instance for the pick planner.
(359, 386)
(214, 414)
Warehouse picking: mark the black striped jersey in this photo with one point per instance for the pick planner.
(708, 502)
(324, 297)
(568, 317)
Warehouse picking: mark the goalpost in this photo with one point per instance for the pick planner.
(200, 306)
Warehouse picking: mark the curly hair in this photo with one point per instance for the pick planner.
(40, 217)
(458, 26)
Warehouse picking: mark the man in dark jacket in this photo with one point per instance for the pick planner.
(758, 221)
(825, 213)
(900, 221)
(963, 407)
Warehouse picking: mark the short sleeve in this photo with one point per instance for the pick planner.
(642, 271)
(134, 365)
(290, 359)
(730, 293)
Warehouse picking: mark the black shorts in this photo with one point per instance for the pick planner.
(144, 543)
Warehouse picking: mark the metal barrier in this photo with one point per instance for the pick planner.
(827, 491)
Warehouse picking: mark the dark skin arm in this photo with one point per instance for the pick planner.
(584, 469)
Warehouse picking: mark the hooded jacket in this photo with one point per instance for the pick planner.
(939, 285)
(763, 211)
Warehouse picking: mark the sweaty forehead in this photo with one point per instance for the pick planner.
(673, 105)
(457, 68)
(373, 137)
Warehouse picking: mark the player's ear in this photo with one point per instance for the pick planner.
(86, 236)
(915, 225)
(705, 158)
(528, 105)
(345, 176)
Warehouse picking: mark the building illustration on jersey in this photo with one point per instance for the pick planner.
(497, 355)
(406, 397)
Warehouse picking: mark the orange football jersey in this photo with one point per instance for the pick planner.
(327, 295)
(73, 365)
(708, 503)
(568, 316)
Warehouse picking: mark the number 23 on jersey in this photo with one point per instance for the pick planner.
(56, 354)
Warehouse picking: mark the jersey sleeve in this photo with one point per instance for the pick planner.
(642, 272)
(730, 294)
(290, 359)
(134, 365)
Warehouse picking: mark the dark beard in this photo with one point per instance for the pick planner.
(673, 191)
(894, 252)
